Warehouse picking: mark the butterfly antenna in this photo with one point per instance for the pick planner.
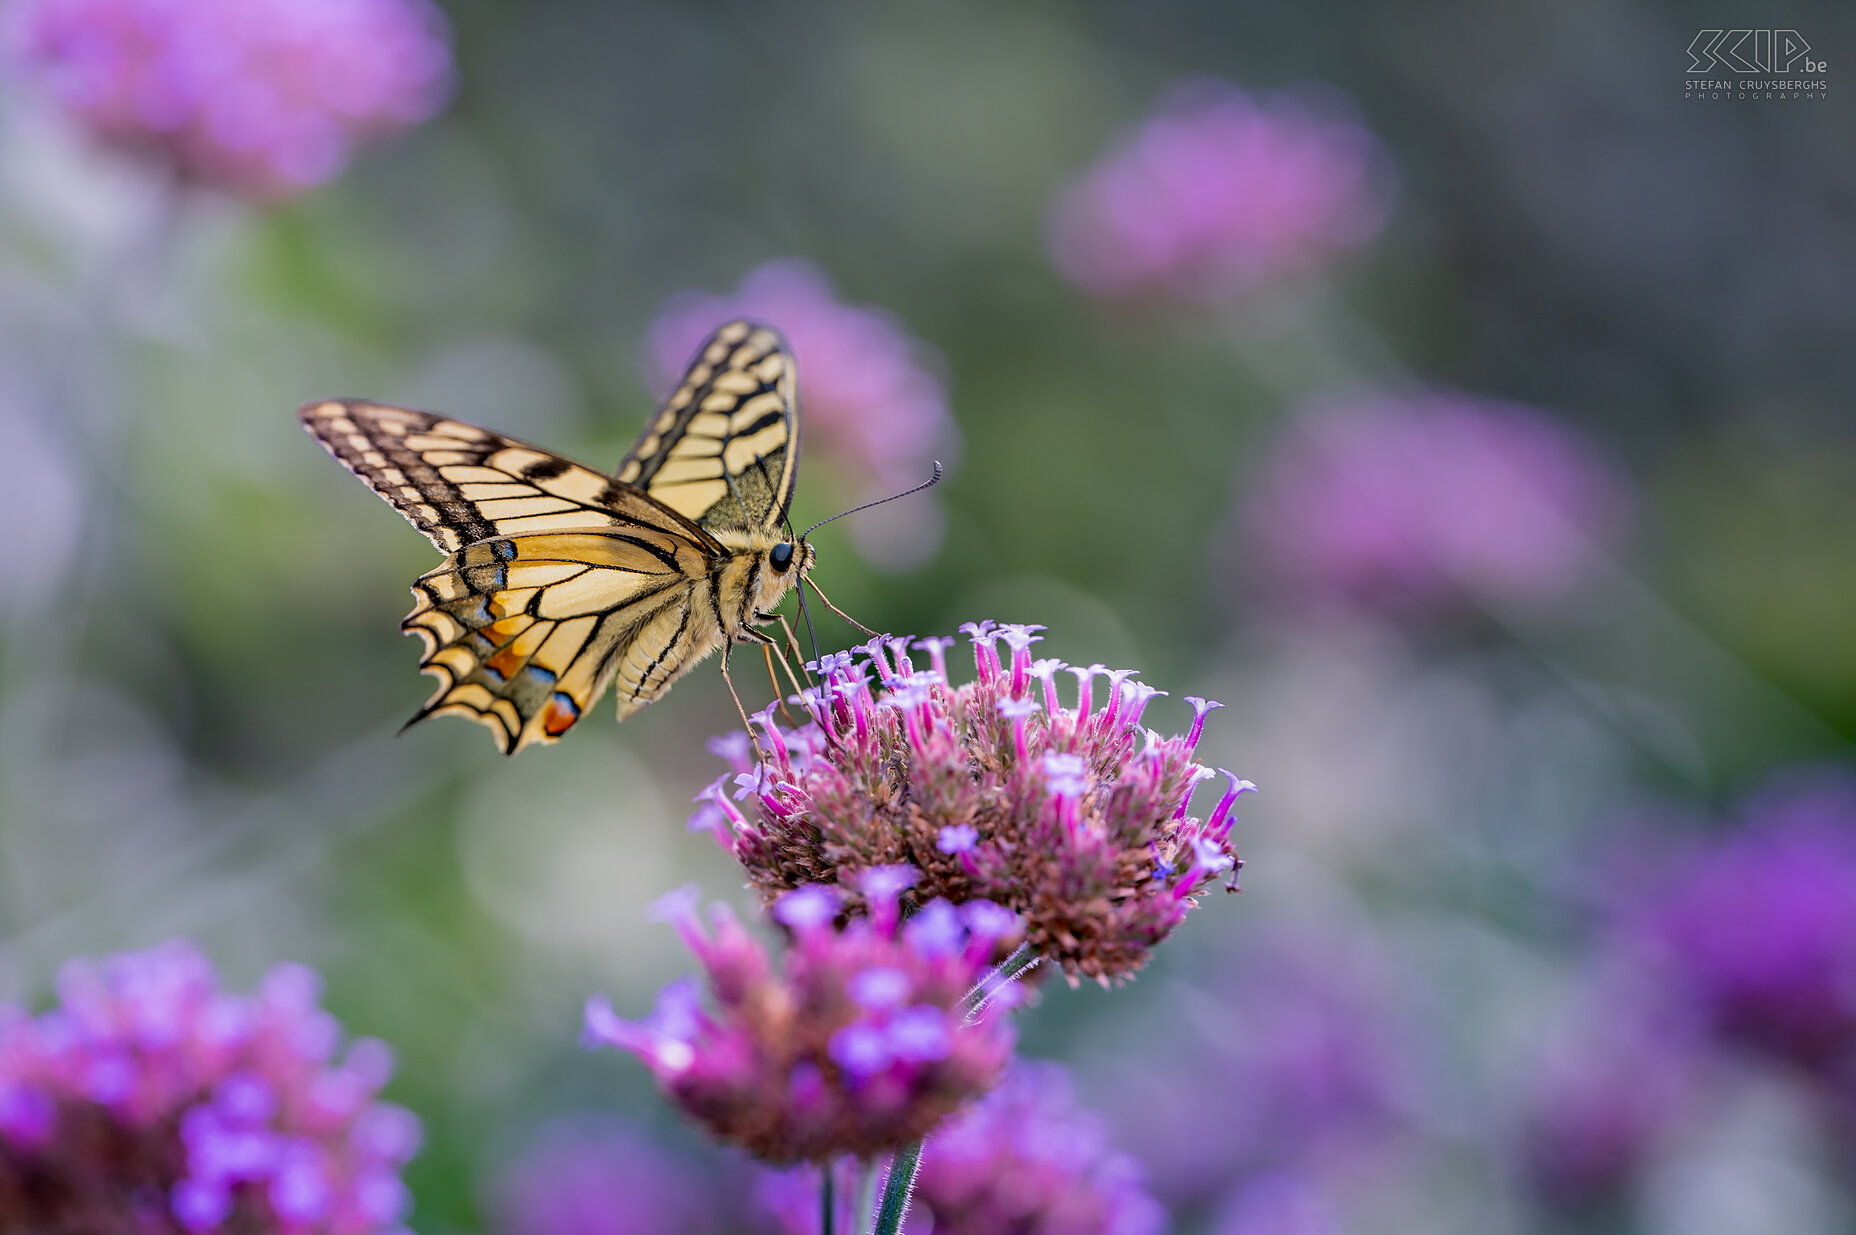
(926, 484)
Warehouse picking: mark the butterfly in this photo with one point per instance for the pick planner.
(559, 580)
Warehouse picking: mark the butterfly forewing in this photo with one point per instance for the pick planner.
(559, 580)
(724, 449)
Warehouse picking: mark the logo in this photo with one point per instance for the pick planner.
(1783, 56)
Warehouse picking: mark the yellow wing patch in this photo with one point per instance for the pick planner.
(525, 632)
(724, 449)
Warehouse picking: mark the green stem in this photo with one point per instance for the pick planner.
(896, 1191)
(827, 1201)
(908, 1159)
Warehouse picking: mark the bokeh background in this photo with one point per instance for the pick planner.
(1434, 385)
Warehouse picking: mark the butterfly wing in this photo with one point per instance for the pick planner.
(459, 484)
(724, 449)
(524, 632)
(558, 580)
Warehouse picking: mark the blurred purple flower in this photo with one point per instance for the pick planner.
(1218, 192)
(873, 405)
(1758, 928)
(1412, 499)
(1073, 817)
(862, 1043)
(1305, 1043)
(262, 97)
(1025, 1160)
(1596, 1112)
(597, 1175)
(1282, 1202)
(150, 1100)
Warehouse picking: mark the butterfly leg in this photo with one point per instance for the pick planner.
(774, 682)
(841, 613)
(792, 645)
(759, 754)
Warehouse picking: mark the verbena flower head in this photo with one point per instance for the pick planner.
(874, 407)
(1023, 1159)
(857, 1044)
(263, 97)
(1416, 499)
(1036, 786)
(1757, 929)
(150, 1100)
(1218, 192)
(597, 1175)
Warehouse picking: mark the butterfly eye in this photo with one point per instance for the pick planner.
(781, 556)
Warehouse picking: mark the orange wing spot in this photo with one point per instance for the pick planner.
(559, 716)
(504, 662)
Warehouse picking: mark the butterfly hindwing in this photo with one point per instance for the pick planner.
(524, 632)
(724, 449)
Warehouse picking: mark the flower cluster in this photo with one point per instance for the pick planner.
(863, 1042)
(873, 403)
(1728, 951)
(1312, 1029)
(264, 97)
(1025, 1160)
(1595, 1114)
(1757, 931)
(1218, 192)
(1075, 817)
(151, 1100)
(597, 1175)
(1411, 500)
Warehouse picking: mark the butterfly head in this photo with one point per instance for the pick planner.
(787, 554)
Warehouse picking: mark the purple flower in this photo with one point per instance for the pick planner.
(1301, 1040)
(859, 1045)
(874, 406)
(1072, 816)
(1415, 499)
(593, 1175)
(1218, 192)
(263, 97)
(151, 1100)
(1757, 929)
(1282, 1202)
(1024, 1159)
(1599, 1108)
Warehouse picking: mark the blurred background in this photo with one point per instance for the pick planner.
(1439, 388)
